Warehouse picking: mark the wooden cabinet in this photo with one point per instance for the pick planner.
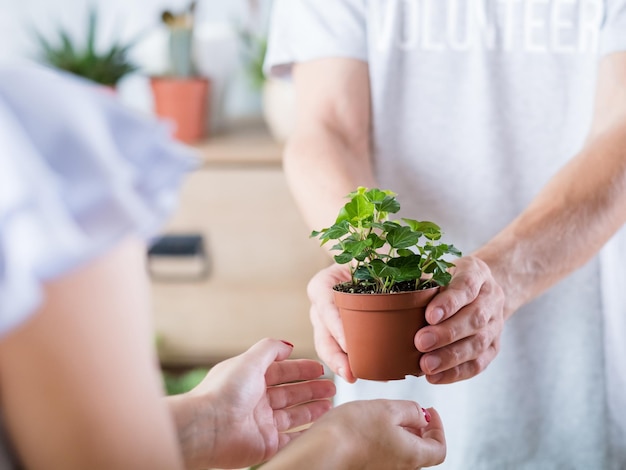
(259, 251)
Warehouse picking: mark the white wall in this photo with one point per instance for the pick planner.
(217, 47)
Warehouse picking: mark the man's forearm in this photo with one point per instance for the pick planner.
(322, 167)
(565, 225)
(328, 155)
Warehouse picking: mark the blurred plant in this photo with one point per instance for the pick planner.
(106, 67)
(253, 45)
(180, 26)
(180, 383)
(254, 48)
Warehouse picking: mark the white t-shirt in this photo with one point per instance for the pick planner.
(476, 104)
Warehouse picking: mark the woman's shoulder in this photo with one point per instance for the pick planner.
(78, 170)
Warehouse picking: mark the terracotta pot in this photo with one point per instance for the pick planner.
(380, 332)
(184, 101)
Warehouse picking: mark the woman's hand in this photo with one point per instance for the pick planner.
(368, 434)
(238, 415)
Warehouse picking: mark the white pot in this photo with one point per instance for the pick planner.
(279, 108)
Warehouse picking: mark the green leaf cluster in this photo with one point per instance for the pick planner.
(383, 252)
(104, 67)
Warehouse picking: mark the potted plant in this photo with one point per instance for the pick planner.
(278, 96)
(105, 67)
(396, 268)
(182, 95)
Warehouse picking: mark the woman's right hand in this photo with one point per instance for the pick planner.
(330, 342)
(368, 434)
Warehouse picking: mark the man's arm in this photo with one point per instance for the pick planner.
(577, 211)
(328, 155)
(565, 225)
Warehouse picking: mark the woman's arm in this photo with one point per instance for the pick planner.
(79, 380)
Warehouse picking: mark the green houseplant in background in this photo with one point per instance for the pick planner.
(106, 67)
(278, 96)
(253, 50)
(396, 268)
(181, 95)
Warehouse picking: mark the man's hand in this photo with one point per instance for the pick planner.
(466, 320)
(330, 341)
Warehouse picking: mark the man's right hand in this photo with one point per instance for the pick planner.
(330, 341)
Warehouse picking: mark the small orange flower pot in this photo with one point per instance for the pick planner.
(185, 102)
(380, 332)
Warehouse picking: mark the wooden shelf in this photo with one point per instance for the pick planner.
(258, 274)
(244, 142)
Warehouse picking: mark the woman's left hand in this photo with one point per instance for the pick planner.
(239, 414)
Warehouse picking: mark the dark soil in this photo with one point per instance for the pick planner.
(362, 288)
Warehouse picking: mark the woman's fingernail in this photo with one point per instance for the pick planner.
(426, 414)
(287, 343)
(341, 373)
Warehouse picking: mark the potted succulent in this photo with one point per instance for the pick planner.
(396, 267)
(278, 96)
(181, 95)
(105, 67)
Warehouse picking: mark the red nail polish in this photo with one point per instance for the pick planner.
(426, 414)
(287, 343)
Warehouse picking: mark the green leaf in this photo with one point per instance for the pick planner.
(376, 241)
(402, 237)
(405, 252)
(454, 251)
(382, 269)
(442, 278)
(436, 251)
(390, 225)
(430, 230)
(409, 267)
(91, 32)
(357, 247)
(375, 195)
(359, 208)
(344, 258)
(390, 205)
(362, 274)
(337, 231)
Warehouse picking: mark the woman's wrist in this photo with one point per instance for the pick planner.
(312, 452)
(194, 420)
